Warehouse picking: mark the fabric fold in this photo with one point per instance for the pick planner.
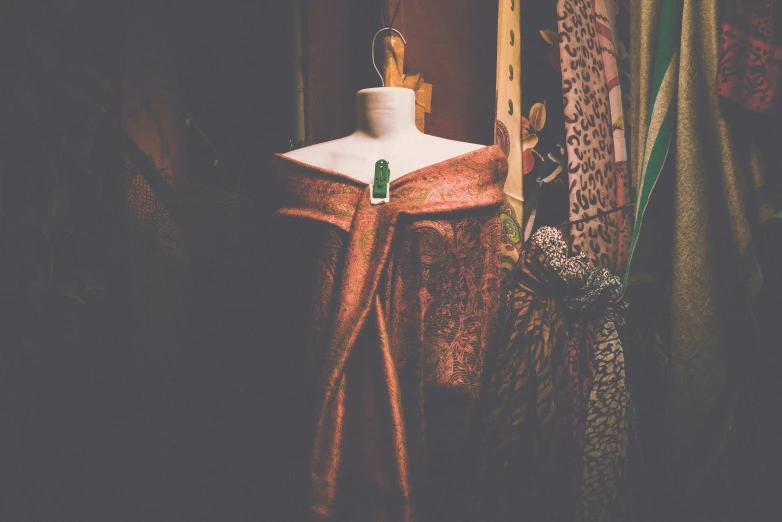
(598, 177)
(545, 451)
(414, 308)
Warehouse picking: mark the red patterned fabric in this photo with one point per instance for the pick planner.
(750, 55)
(406, 305)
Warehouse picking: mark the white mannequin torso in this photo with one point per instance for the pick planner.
(385, 129)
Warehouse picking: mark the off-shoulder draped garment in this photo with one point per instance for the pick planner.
(405, 306)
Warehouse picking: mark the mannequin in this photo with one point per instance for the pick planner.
(397, 308)
(385, 129)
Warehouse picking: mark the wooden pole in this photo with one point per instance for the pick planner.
(508, 102)
(299, 133)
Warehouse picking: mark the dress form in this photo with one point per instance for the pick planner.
(385, 129)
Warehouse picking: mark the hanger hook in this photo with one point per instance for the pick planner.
(382, 81)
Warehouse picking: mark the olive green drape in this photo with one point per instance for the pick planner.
(715, 166)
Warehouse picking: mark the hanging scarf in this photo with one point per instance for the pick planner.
(594, 123)
(598, 183)
(531, 461)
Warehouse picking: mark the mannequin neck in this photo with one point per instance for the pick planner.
(386, 112)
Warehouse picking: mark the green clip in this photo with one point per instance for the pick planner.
(382, 176)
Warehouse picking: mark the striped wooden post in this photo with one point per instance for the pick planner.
(507, 120)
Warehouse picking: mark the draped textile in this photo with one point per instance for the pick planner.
(405, 307)
(594, 122)
(599, 182)
(605, 22)
(716, 174)
(655, 62)
(714, 250)
(604, 443)
(531, 461)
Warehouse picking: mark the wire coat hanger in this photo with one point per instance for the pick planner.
(389, 29)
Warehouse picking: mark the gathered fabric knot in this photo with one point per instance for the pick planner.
(601, 292)
(554, 424)
(588, 289)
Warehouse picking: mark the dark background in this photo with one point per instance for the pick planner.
(140, 400)
(136, 363)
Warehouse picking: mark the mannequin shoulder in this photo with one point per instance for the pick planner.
(336, 155)
(330, 153)
(355, 155)
(441, 149)
(313, 153)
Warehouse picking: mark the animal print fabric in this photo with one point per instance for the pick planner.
(601, 422)
(605, 450)
(528, 461)
(594, 122)
(533, 460)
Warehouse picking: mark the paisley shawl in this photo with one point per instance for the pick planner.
(406, 305)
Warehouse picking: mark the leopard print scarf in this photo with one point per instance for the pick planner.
(534, 462)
